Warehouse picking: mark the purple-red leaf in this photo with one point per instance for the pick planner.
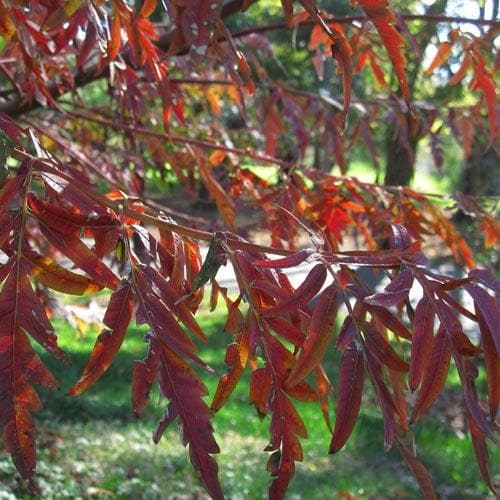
(419, 471)
(492, 366)
(180, 384)
(490, 310)
(421, 347)
(481, 451)
(382, 349)
(435, 375)
(319, 336)
(304, 293)
(293, 260)
(349, 393)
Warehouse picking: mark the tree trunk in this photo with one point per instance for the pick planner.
(400, 156)
(401, 152)
(481, 173)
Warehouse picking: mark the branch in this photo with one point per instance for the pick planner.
(350, 19)
(266, 159)
(18, 105)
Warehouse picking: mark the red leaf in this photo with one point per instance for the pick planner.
(260, 390)
(117, 318)
(350, 391)
(286, 330)
(319, 336)
(421, 347)
(454, 329)
(170, 298)
(306, 255)
(148, 7)
(384, 400)
(144, 374)
(273, 125)
(114, 41)
(387, 299)
(400, 238)
(10, 189)
(153, 311)
(302, 392)
(20, 314)
(180, 384)
(286, 428)
(435, 375)
(83, 257)
(304, 293)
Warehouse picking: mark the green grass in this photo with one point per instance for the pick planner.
(92, 445)
(424, 182)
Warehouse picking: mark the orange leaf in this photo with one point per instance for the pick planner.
(484, 82)
(114, 41)
(462, 70)
(148, 7)
(7, 27)
(382, 17)
(236, 357)
(117, 318)
(440, 58)
(56, 277)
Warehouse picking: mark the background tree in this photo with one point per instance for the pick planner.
(199, 100)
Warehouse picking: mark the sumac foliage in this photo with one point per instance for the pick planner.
(76, 219)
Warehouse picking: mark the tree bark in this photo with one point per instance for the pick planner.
(481, 173)
(401, 153)
(400, 157)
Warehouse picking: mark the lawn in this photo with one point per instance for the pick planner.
(93, 447)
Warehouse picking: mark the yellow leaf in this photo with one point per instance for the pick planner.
(7, 28)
